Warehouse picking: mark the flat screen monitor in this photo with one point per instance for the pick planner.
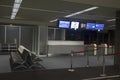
(90, 26)
(74, 25)
(99, 26)
(63, 24)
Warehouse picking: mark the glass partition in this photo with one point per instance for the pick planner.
(12, 34)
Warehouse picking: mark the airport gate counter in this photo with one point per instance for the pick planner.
(64, 47)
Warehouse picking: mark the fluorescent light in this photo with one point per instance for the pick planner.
(16, 6)
(80, 12)
(15, 10)
(13, 17)
(14, 14)
(18, 1)
(111, 20)
(53, 20)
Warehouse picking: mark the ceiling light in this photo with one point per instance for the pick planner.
(80, 12)
(15, 10)
(111, 20)
(18, 1)
(16, 6)
(14, 14)
(53, 20)
(13, 17)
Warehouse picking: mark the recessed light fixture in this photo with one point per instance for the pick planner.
(16, 5)
(18, 1)
(53, 20)
(15, 9)
(12, 16)
(80, 12)
(111, 20)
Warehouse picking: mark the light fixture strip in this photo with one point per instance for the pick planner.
(111, 20)
(18, 1)
(15, 9)
(80, 12)
(53, 20)
(16, 6)
(12, 16)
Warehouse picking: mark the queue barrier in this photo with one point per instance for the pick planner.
(104, 49)
(71, 61)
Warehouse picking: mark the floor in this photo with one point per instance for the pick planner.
(58, 62)
(4, 64)
(57, 69)
(63, 74)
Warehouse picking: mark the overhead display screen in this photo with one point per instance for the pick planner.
(74, 25)
(90, 26)
(99, 26)
(64, 24)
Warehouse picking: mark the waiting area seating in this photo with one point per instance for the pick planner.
(24, 59)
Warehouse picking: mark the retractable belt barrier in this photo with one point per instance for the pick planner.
(93, 50)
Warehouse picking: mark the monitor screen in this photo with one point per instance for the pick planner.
(99, 26)
(74, 25)
(90, 26)
(64, 24)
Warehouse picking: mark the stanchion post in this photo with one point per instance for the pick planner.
(103, 70)
(105, 53)
(87, 60)
(71, 63)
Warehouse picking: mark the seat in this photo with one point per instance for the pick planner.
(24, 59)
(17, 63)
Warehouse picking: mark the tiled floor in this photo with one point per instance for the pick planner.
(4, 64)
(58, 62)
(62, 74)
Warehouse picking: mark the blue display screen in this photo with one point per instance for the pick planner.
(99, 26)
(90, 26)
(64, 24)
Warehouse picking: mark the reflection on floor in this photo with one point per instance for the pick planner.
(78, 61)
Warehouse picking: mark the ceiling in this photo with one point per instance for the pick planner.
(38, 12)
